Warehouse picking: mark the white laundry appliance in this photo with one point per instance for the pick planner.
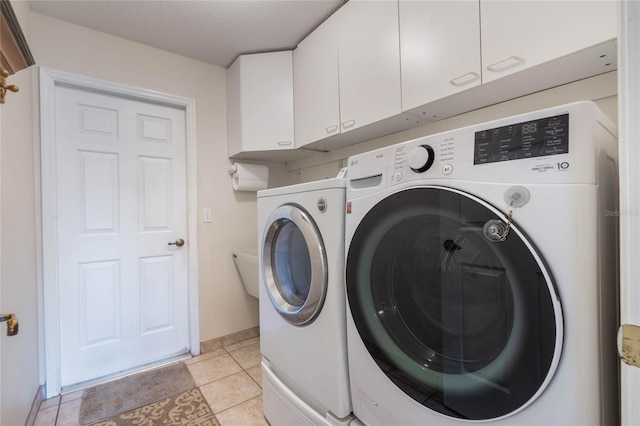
(481, 274)
(302, 304)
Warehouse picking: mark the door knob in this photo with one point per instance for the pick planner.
(179, 243)
(12, 323)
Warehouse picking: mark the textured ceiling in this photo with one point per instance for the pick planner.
(213, 31)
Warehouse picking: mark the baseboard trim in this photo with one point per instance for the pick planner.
(35, 406)
(229, 339)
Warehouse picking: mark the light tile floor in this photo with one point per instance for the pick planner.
(230, 378)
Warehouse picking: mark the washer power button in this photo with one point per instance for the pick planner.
(447, 169)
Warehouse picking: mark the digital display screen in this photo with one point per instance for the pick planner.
(536, 138)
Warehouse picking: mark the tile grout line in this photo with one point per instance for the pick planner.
(244, 370)
(58, 410)
(240, 403)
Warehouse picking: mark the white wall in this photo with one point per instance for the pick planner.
(224, 305)
(20, 372)
(602, 89)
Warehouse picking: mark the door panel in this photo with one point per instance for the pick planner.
(154, 194)
(99, 194)
(121, 199)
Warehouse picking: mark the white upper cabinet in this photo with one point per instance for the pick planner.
(369, 62)
(315, 85)
(439, 49)
(379, 66)
(260, 103)
(521, 34)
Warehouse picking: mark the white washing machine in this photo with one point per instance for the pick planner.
(302, 304)
(481, 274)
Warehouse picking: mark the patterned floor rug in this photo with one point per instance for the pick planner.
(123, 395)
(187, 409)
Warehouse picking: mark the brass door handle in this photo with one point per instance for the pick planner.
(179, 243)
(12, 323)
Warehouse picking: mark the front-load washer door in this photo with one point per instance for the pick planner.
(465, 325)
(294, 264)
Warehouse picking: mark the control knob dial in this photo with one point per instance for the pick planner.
(421, 158)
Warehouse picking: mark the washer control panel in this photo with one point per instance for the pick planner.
(420, 158)
(556, 145)
(426, 157)
(534, 138)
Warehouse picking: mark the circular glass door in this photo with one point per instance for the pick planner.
(294, 265)
(464, 325)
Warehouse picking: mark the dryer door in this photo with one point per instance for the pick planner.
(294, 264)
(466, 326)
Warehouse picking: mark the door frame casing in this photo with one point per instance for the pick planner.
(49, 79)
(629, 157)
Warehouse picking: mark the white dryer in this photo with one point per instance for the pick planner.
(481, 274)
(302, 304)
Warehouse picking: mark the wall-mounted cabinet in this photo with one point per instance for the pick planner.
(517, 35)
(347, 72)
(378, 67)
(315, 85)
(369, 62)
(462, 55)
(440, 49)
(260, 103)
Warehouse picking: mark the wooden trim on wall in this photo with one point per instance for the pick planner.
(15, 52)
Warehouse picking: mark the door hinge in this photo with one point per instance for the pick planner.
(629, 344)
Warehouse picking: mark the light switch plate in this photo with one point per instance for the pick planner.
(206, 215)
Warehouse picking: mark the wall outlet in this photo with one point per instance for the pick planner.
(206, 215)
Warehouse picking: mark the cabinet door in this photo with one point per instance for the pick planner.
(260, 102)
(521, 34)
(315, 85)
(439, 49)
(369, 62)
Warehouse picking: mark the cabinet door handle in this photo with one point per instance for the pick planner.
(505, 64)
(332, 128)
(465, 79)
(284, 143)
(348, 123)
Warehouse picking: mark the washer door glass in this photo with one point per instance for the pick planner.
(294, 264)
(466, 326)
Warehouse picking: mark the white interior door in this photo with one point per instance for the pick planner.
(629, 140)
(121, 199)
